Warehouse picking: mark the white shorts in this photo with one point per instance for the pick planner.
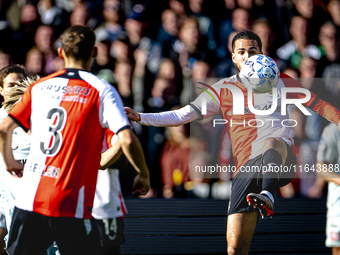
(333, 231)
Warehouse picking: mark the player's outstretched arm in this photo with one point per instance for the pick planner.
(173, 118)
(109, 156)
(131, 114)
(6, 129)
(133, 151)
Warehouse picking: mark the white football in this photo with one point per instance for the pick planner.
(260, 73)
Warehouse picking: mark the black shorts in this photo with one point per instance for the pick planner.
(251, 182)
(32, 233)
(111, 232)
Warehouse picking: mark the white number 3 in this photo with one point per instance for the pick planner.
(59, 116)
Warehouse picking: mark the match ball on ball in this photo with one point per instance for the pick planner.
(260, 73)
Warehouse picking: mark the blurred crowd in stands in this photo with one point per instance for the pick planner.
(151, 50)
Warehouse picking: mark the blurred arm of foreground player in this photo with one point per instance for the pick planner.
(327, 174)
(133, 151)
(6, 129)
(110, 156)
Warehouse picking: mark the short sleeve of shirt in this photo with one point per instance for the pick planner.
(328, 149)
(21, 112)
(112, 111)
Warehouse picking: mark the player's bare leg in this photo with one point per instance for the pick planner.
(274, 153)
(277, 144)
(240, 229)
(336, 251)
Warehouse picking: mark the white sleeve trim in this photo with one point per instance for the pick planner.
(170, 118)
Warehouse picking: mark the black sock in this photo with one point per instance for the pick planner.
(272, 160)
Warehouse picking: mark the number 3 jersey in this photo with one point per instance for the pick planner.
(67, 113)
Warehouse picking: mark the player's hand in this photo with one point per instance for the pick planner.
(131, 114)
(141, 185)
(15, 169)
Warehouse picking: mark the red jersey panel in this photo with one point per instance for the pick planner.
(67, 113)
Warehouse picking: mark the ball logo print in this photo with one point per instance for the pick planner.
(260, 73)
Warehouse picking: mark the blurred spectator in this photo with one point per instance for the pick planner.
(6, 31)
(333, 8)
(262, 28)
(226, 67)
(81, 16)
(240, 21)
(308, 10)
(163, 94)
(5, 60)
(167, 69)
(135, 26)
(309, 74)
(329, 44)
(52, 15)
(168, 30)
(103, 59)
(191, 46)
(177, 153)
(308, 78)
(199, 73)
(44, 39)
(13, 14)
(305, 8)
(112, 26)
(306, 155)
(180, 8)
(205, 23)
(123, 77)
(69, 5)
(299, 46)
(35, 62)
(292, 72)
(138, 80)
(24, 37)
(175, 160)
(331, 76)
(121, 49)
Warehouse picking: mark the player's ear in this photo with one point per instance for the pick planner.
(2, 91)
(233, 56)
(94, 51)
(60, 52)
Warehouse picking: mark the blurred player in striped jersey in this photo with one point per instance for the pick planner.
(108, 206)
(8, 77)
(265, 147)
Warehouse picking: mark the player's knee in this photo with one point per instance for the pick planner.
(271, 143)
(237, 251)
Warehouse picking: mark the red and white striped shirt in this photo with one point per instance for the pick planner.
(67, 113)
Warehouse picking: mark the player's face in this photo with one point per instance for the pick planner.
(243, 50)
(9, 82)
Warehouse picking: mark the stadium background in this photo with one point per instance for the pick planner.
(150, 51)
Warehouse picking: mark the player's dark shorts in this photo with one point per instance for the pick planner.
(246, 182)
(32, 233)
(111, 232)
